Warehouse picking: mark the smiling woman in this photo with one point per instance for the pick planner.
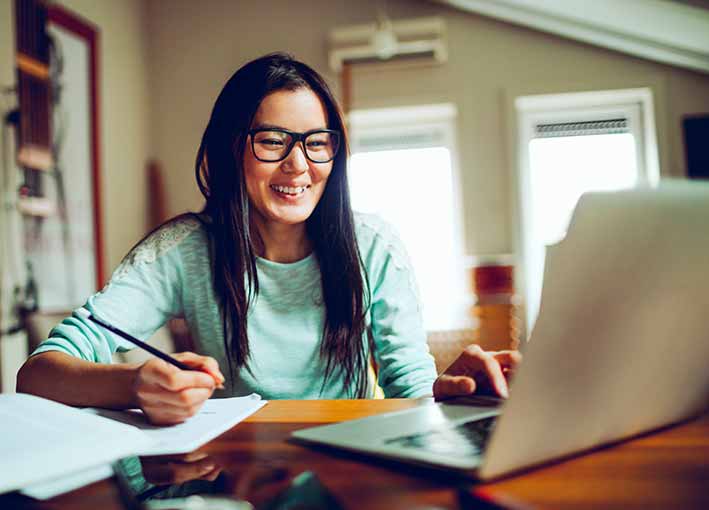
(276, 277)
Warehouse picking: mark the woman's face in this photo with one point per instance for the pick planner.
(286, 192)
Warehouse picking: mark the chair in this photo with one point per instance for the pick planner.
(39, 324)
(446, 346)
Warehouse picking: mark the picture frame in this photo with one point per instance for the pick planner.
(66, 249)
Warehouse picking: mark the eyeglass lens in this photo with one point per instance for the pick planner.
(320, 146)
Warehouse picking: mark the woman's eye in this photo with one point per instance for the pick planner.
(271, 142)
(317, 144)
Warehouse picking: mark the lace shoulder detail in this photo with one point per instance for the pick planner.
(156, 244)
(373, 230)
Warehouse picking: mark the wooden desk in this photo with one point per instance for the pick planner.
(668, 469)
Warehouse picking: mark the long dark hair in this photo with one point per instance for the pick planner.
(330, 228)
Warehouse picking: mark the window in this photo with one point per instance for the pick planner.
(571, 144)
(403, 168)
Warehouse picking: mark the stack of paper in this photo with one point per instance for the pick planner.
(44, 442)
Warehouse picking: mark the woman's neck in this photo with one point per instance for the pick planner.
(281, 243)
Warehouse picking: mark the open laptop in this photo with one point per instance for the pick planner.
(620, 347)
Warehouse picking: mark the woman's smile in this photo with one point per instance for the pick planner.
(289, 192)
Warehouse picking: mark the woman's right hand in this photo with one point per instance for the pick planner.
(168, 395)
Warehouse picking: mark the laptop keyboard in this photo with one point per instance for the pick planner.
(465, 440)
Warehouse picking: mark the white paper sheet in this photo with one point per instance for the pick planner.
(51, 488)
(215, 417)
(43, 440)
(50, 448)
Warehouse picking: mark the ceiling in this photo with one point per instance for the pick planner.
(627, 26)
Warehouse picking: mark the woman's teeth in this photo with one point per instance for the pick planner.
(289, 190)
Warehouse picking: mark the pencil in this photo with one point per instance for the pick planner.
(145, 346)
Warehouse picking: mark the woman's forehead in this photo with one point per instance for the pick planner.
(296, 110)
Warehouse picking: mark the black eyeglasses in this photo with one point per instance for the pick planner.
(271, 145)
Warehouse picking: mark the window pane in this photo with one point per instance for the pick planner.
(561, 170)
(413, 190)
(565, 168)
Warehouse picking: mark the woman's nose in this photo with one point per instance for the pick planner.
(296, 160)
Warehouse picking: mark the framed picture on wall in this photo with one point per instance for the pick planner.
(66, 249)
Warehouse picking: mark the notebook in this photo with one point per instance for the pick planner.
(620, 346)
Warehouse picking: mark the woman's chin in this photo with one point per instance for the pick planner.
(291, 215)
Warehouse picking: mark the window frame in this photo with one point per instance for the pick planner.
(440, 118)
(634, 104)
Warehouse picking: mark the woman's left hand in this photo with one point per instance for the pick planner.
(477, 371)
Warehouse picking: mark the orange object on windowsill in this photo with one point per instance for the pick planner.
(496, 307)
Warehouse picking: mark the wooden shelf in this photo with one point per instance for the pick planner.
(32, 66)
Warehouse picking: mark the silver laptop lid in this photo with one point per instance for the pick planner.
(622, 339)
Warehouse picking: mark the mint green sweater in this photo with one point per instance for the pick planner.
(169, 275)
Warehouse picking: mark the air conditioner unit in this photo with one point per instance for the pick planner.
(422, 39)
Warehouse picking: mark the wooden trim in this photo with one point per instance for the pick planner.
(32, 66)
(90, 33)
(37, 158)
(346, 81)
(72, 22)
